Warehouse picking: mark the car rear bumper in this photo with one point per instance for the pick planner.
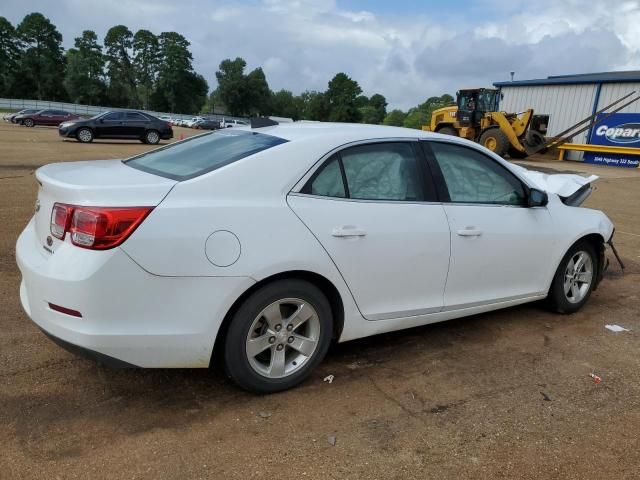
(128, 316)
(166, 134)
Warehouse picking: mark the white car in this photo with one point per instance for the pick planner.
(268, 244)
(189, 123)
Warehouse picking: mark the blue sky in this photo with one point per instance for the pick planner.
(406, 50)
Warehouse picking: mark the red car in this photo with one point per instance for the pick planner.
(45, 117)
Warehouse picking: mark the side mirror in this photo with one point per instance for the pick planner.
(537, 198)
(102, 120)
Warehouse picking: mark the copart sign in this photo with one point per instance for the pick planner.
(616, 130)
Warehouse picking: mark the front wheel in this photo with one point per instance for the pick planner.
(495, 140)
(85, 135)
(28, 122)
(573, 282)
(151, 137)
(278, 336)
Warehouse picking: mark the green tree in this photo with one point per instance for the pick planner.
(178, 88)
(362, 101)
(257, 92)
(315, 106)
(369, 114)
(121, 90)
(378, 102)
(230, 76)
(286, 104)
(9, 56)
(242, 94)
(394, 118)
(421, 114)
(146, 59)
(84, 78)
(42, 64)
(341, 95)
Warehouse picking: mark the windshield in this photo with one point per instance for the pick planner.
(203, 153)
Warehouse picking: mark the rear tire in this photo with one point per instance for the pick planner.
(495, 140)
(28, 122)
(448, 131)
(152, 137)
(84, 135)
(574, 279)
(268, 333)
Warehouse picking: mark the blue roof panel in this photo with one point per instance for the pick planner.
(602, 77)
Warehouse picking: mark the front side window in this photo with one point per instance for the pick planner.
(113, 117)
(203, 153)
(472, 177)
(380, 171)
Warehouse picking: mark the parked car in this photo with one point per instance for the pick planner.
(228, 123)
(166, 118)
(120, 124)
(205, 124)
(45, 117)
(10, 117)
(189, 123)
(270, 243)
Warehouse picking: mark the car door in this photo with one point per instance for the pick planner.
(110, 125)
(135, 124)
(499, 247)
(373, 209)
(45, 118)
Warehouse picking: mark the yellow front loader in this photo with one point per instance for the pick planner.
(476, 118)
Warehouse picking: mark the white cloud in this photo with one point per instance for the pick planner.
(407, 57)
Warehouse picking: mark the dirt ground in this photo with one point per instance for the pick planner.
(500, 395)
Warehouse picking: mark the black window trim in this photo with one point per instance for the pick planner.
(441, 185)
(427, 185)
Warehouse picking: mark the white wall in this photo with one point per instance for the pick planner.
(611, 92)
(566, 105)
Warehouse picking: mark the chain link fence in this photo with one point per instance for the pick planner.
(91, 110)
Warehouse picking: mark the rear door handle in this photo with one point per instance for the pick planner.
(348, 231)
(469, 232)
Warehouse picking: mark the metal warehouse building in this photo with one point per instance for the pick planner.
(567, 99)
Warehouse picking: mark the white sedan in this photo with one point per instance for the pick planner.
(265, 245)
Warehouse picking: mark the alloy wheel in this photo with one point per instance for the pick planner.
(85, 135)
(578, 276)
(282, 338)
(152, 137)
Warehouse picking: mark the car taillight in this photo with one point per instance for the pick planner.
(60, 219)
(97, 228)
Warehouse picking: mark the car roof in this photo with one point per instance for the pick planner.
(294, 131)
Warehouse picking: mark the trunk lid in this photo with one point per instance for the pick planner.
(97, 183)
(571, 188)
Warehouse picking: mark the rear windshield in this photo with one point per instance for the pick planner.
(201, 154)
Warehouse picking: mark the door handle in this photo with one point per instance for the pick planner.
(469, 232)
(348, 231)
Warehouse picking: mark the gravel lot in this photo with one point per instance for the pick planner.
(500, 395)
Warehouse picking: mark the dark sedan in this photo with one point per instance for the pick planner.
(12, 116)
(205, 124)
(121, 124)
(45, 117)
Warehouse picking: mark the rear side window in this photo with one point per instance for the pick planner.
(203, 153)
(380, 171)
(137, 117)
(328, 183)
